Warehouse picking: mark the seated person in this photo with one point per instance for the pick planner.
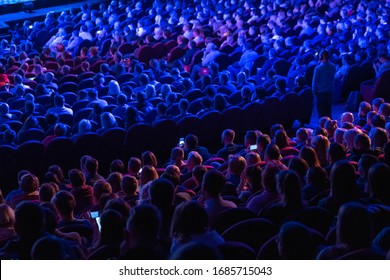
(229, 147)
(191, 144)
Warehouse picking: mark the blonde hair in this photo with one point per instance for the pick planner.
(7, 216)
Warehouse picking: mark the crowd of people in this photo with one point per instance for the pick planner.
(198, 205)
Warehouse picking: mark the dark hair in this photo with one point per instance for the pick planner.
(213, 182)
(189, 219)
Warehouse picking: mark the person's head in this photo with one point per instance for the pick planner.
(376, 103)
(29, 220)
(281, 84)
(194, 159)
(143, 226)
(228, 136)
(191, 141)
(262, 141)
(253, 174)
(317, 176)
(236, 165)
(29, 183)
(330, 127)
(84, 126)
(60, 129)
(281, 139)
(91, 165)
(148, 158)
(324, 55)
(64, 203)
(108, 120)
(272, 153)
(189, 219)
(115, 179)
(349, 138)
(347, 117)
(129, 185)
(162, 193)
(114, 88)
(295, 242)
(354, 226)
(339, 135)
(213, 183)
(379, 182)
(289, 188)
(322, 121)
(133, 166)
(250, 138)
(46, 192)
(378, 121)
(100, 188)
(342, 180)
(269, 177)
(378, 137)
(76, 177)
(336, 152)
(310, 156)
(302, 135)
(148, 173)
(7, 216)
(362, 142)
(112, 226)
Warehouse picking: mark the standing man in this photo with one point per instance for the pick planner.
(323, 80)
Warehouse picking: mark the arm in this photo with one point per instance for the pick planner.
(315, 81)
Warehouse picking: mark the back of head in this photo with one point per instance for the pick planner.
(111, 226)
(354, 227)
(76, 177)
(29, 183)
(91, 165)
(299, 165)
(49, 248)
(362, 142)
(134, 165)
(295, 242)
(64, 202)
(191, 141)
(213, 183)
(189, 219)
(148, 158)
(101, 187)
(129, 185)
(342, 180)
(162, 192)
(379, 182)
(324, 55)
(337, 152)
(60, 129)
(289, 187)
(236, 165)
(378, 121)
(7, 216)
(144, 222)
(269, 177)
(29, 219)
(272, 152)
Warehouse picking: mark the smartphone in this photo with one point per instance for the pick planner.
(181, 142)
(253, 147)
(31, 27)
(139, 172)
(94, 214)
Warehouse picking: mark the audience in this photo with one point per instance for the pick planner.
(340, 167)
